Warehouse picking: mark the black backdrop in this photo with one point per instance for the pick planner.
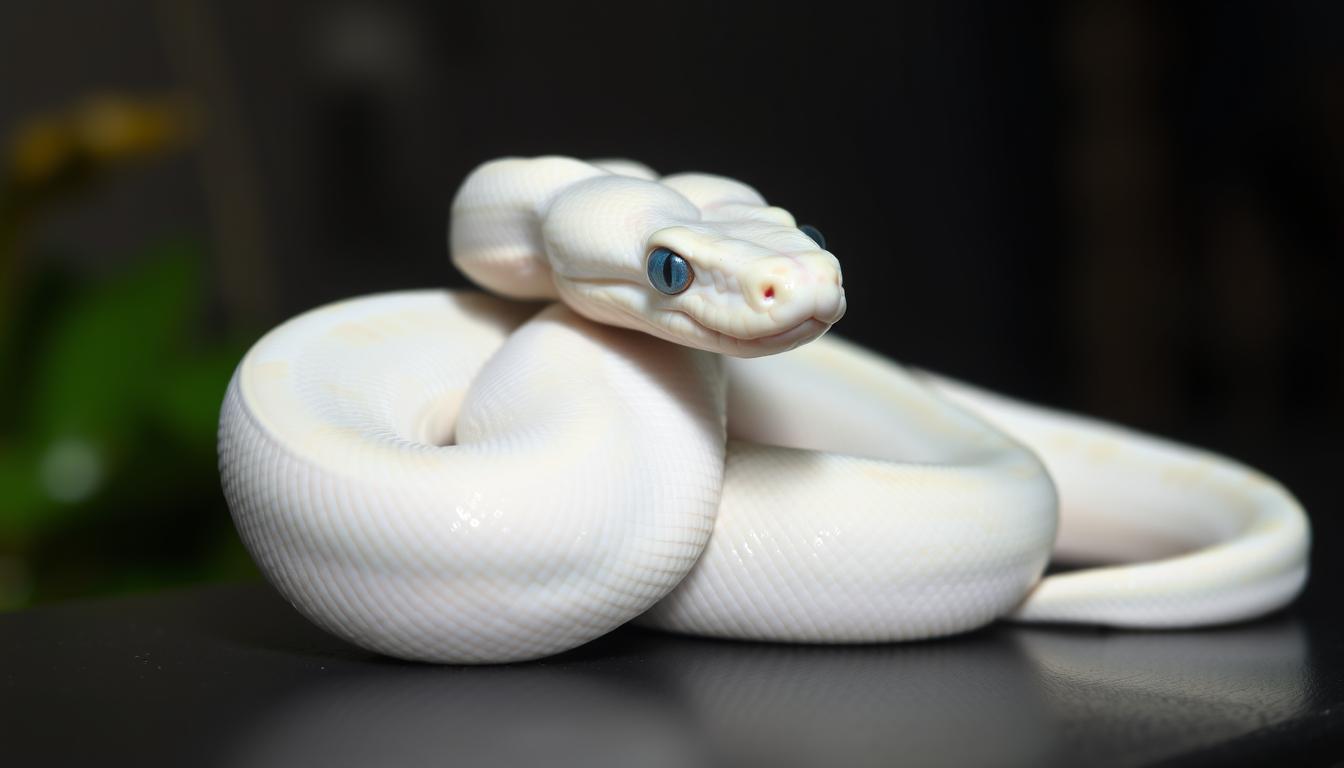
(1128, 209)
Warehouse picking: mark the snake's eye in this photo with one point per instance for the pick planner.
(669, 272)
(815, 234)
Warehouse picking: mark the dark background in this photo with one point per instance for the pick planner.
(1133, 210)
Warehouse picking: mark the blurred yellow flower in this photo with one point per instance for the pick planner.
(99, 132)
(39, 148)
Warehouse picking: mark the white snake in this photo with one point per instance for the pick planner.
(448, 476)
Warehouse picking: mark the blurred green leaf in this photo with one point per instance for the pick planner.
(186, 401)
(105, 354)
(107, 471)
(23, 500)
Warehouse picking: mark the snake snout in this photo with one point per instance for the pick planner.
(793, 289)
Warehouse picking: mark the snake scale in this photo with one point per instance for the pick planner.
(646, 422)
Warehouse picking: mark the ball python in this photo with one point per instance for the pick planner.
(645, 419)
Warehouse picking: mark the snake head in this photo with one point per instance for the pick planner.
(753, 286)
(702, 262)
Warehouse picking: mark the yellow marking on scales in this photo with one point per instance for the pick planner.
(269, 371)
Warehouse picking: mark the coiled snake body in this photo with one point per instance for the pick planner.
(453, 477)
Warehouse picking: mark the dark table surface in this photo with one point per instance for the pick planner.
(232, 676)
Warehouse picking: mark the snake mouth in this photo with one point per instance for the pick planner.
(808, 330)
(797, 335)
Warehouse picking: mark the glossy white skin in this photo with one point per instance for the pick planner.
(1210, 540)
(854, 501)
(498, 547)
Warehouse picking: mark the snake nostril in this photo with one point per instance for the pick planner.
(769, 292)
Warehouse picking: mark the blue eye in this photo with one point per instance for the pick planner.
(815, 234)
(669, 272)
